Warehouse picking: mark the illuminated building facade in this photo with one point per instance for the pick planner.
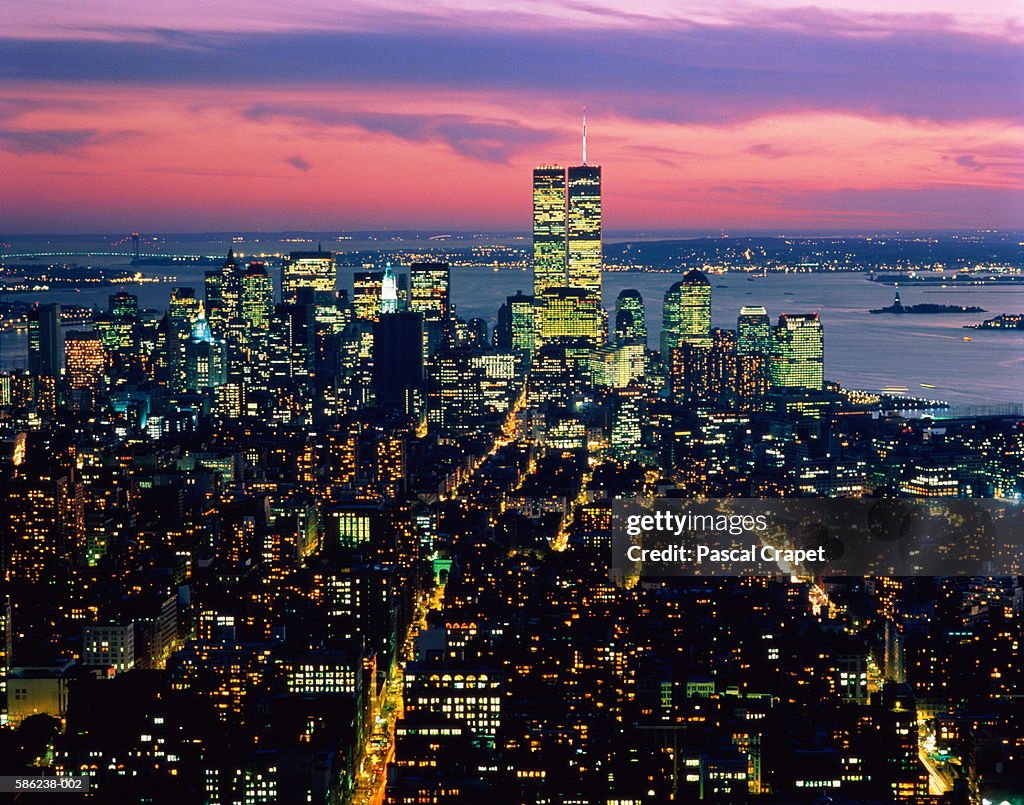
(549, 229)
(85, 361)
(798, 353)
(583, 229)
(367, 290)
(630, 317)
(686, 313)
(314, 271)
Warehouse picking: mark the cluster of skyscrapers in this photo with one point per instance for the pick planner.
(343, 545)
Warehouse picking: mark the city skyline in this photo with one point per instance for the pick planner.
(450, 497)
(346, 544)
(359, 119)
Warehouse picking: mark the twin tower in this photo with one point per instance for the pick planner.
(567, 255)
(567, 229)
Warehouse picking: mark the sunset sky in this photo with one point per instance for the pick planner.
(227, 115)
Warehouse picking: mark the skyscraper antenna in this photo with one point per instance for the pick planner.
(584, 136)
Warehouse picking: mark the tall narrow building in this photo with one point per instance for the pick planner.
(549, 225)
(567, 253)
(429, 290)
(85, 360)
(257, 299)
(367, 290)
(389, 291)
(45, 340)
(754, 330)
(583, 229)
(686, 313)
(630, 318)
(798, 353)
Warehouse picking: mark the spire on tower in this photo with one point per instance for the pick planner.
(584, 135)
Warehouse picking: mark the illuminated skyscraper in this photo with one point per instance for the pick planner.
(429, 291)
(430, 295)
(522, 328)
(183, 312)
(389, 291)
(571, 313)
(549, 228)
(583, 229)
(630, 317)
(123, 304)
(85, 360)
(367, 287)
(313, 270)
(205, 358)
(754, 331)
(257, 299)
(798, 352)
(455, 404)
(686, 313)
(117, 326)
(45, 340)
(223, 292)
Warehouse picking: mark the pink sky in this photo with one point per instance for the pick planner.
(166, 118)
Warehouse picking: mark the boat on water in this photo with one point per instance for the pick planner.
(968, 338)
(926, 385)
(894, 388)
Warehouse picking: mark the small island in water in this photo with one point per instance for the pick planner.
(897, 306)
(1007, 321)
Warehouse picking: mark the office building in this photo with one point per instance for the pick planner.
(45, 340)
(754, 331)
(368, 290)
(583, 229)
(314, 271)
(85, 361)
(398, 382)
(630, 317)
(686, 314)
(797, 354)
(549, 229)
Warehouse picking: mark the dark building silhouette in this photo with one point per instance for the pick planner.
(45, 340)
(398, 361)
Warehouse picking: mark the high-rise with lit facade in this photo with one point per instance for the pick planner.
(205, 358)
(686, 313)
(522, 330)
(583, 229)
(85, 360)
(430, 291)
(430, 295)
(367, 291)
(257, 299)
(312, 270)
(549, 228)
(389, 291)
(571, 313)
(754, 331)
(798, 352)
(630, 317)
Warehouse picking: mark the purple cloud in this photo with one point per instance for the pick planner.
(671, 71)
(485, 139)
(768, 150)
(46, 141)
(970, 162)
(298, 163)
